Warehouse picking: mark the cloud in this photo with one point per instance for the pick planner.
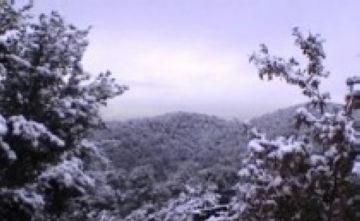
(192, 55)
(175, 63)
(166, 75)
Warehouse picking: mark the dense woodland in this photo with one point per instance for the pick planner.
(174, 155)
(157, 160)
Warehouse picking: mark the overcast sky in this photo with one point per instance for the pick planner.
(192, 55)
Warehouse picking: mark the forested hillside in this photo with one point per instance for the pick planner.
(167, 162)
(172, 138)
(158, 160)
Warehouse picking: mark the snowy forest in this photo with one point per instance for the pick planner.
(60, 161)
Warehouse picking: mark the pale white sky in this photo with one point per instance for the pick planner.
(192, 55)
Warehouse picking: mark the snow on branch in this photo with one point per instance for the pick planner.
(327, 128)
(68, 174)
(307, 78)
(33, 131)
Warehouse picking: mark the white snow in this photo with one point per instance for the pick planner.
(356, 168)
(33, 131)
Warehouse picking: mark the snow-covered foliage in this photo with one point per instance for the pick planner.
(194, 203)
(11, 17)
(306, 176)
(157, 162)
(48, 104)
(307, 78)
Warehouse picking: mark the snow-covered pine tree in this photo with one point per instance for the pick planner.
(48, 104)
(307, 177)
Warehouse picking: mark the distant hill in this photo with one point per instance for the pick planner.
(175, 137)
(281, 122)
(172, 137)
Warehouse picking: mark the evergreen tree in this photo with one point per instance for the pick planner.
(48, 105)
(302, 177)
